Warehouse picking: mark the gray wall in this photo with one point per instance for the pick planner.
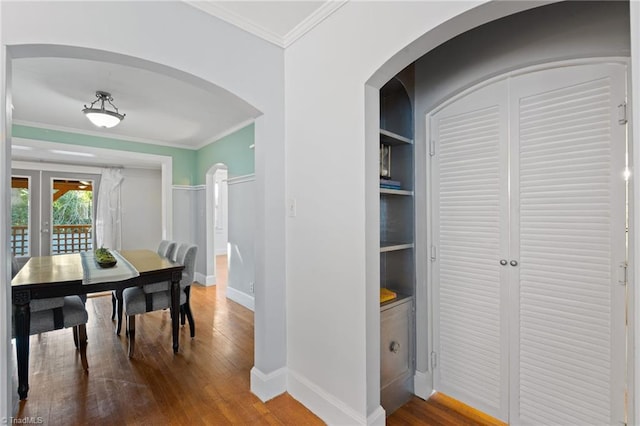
(555, 32)
(187, 208)
(141, 208)
(189, 225)
(241, 237)
(200, 231)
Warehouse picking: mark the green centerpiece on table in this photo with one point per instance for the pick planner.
(104, 258)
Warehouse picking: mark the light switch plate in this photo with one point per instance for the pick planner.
(291, 207)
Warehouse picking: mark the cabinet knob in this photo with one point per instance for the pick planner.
(514, 263)
(503, 262)
(394, 347)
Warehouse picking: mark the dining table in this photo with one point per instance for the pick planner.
(65, 275)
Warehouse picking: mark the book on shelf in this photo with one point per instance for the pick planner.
(390, 184)
(386, 295)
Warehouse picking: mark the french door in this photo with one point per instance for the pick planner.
(528, 219)
(52, 212)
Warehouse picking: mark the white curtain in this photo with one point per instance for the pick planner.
(109, 210)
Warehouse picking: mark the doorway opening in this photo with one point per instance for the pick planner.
(52, 214)
(438, 82)
(217, 218)
(220, 213)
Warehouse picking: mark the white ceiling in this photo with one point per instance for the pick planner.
(279, 22)
(50, 92)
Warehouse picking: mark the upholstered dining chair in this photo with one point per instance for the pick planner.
(56, 313)
(166, 249)
(137, 301)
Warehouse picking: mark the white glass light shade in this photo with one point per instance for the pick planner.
(102, 118)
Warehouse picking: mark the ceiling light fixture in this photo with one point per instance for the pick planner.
(102, 117)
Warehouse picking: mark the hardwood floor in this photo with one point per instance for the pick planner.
(440, 410)
(206, 383)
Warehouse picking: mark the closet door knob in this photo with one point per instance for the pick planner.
(503, 262)
(514, 263)
(394, 347)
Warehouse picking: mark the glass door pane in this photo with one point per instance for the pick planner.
(52, 212)
(20, 215)
(68, 212)
(72, 216)
(25, 202)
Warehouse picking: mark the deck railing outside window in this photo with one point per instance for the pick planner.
(71, 239)
(64, 239)
(20, 240)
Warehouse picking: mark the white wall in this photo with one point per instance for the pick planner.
(241, 261)
(331, 132)
(141, 208)
(331, 333)
(634, 218)
(8, 396)
(331, 315)
(176, 35)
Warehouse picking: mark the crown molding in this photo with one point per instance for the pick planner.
(319, 15)
(111, 157)
(121, 138)
(227, 132)
(283, 41)
(237, 20)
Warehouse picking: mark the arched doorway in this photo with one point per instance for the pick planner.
(31, 51)
(423, 45)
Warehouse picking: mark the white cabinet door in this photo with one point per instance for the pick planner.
(470, 209)
(568, 225)
(528, 218)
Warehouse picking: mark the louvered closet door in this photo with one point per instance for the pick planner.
(567, 338)
(469, 201)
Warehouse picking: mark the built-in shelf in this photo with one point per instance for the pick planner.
(395, 191)
(390, 138)
(401, 298)
(387, 246)
(397, 254)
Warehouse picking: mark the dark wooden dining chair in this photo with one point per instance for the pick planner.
(137, 301)
(56, 313)
(166, 249)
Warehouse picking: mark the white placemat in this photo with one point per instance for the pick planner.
(92, 273)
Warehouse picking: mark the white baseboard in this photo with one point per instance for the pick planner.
(268, 386)
(205, 280)
(244, 299)
(15, 400)
(324, 405)
(377, 418)
(422, 384)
